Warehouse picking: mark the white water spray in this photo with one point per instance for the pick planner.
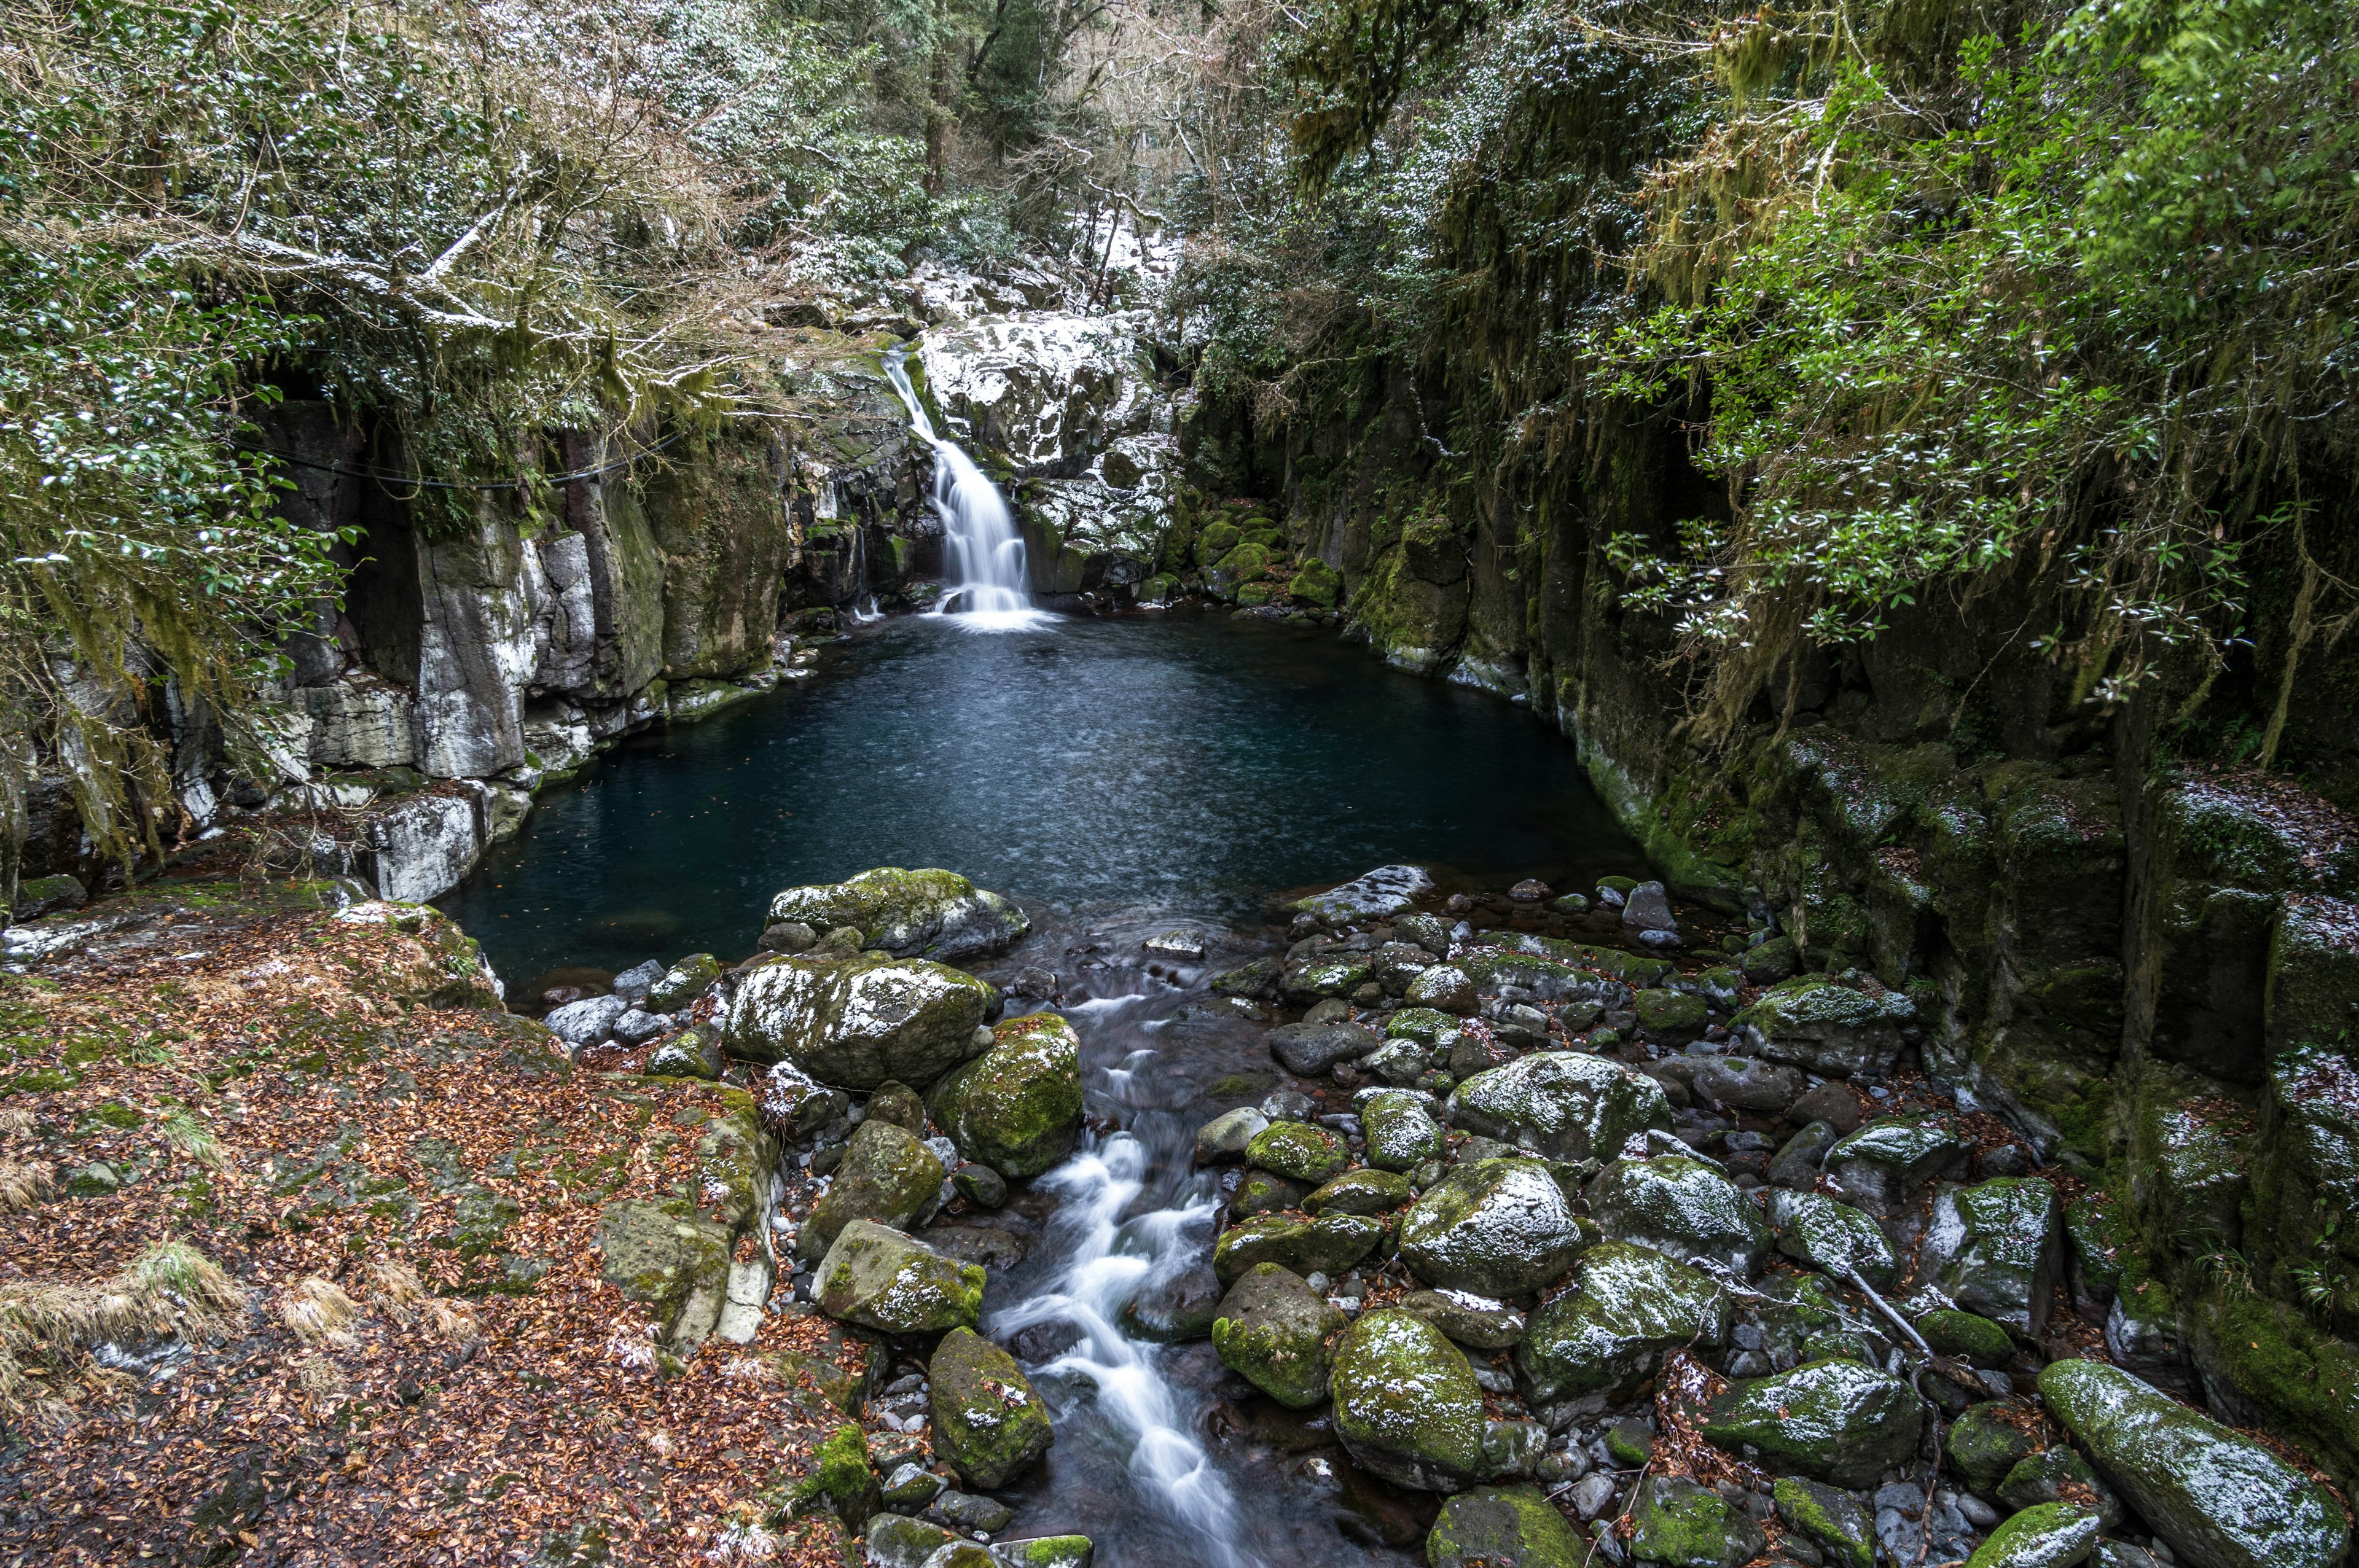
(1107, 1262)
(989, 586)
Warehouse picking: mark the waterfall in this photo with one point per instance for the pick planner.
(989, 585)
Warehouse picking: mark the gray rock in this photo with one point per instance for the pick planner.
(1679, 1524)
(963, 1510)
(587, 1022)
(1831, 1237)
(1797, 1165)
(1471, 1319)
(1885, 1166)
(1445, 988)
(2220, 1499)
(1607, 1333)
(788, 936)
(1491, 1525)
(633, 1027)
(1397, 965)
(1830, 1520)
(1746, 1083)
(1827, 1028)
(1997, 1250)
(1834, 1421)
(1497, 1228)
(1648, 907)
(857, 1022)
(1565, 1104)
(633, 983)
(1400, 1135)
(1388, 890)
(896, 1540)
(1182, 946)
(981, 1185)
(1683, 1209)
(910, 915)
(1592, 1494)
(1311, 1049)
(1223, 1140)
(1406, 1405)
(1401, 1062)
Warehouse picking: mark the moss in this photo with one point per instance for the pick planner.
(1828, 1518)
(988, 1421)
(1679, 1524)
(1978, 1339)
(1670, 1012)
(1984, 1444)
(1301, 1152)
(1407, 1404)
(2304, 1383)
(1018, 1107)
(840, 1478)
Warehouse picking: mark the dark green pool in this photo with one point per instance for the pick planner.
(1193, 762)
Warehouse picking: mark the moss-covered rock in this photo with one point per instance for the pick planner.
(1968, 1334)
(1491, 1525)
(1828, 1028)
(683, 982)
(1833, 1421)
(1605, 1334)
(1406, 1405)
(910, 915)
(1423, 1024)
(1400, 1135)
(1561, 1104)
(1273, 1330)
(1885, 1166)
(1307, 984)
(1815, 1230)
(840, 1479)
(1360, 1191)
(856, 1023)
(660, 1258)
(1497, 1227)
(1676, 1016)
(1316, 582)
(1684, 1209)
(886, 1175)
(2220, 1499)
(988, 1422)
(1471, 1320)
(1018, 1107)
(2052, 1535)
(1327, 1245)
(883, 1279)
(1829, 1518)
(1679, 1524)
(1301, 1152)
(1988, 1441)
(2059, 1475)
(1997, 1250)
(692, 1053)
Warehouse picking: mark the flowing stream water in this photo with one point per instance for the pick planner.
(990, 585)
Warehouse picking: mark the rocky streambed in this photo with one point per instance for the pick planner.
(1498, 1225)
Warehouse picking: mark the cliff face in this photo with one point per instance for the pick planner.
(2148, 964)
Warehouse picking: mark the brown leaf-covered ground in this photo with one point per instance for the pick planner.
(412, 1181)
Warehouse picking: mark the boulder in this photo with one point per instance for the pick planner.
(1444, 987)
(1262, 1192)
(1745, 1083)
(1328, 1245)
(900, 1105)
(1987, 1441)
(683, 984)
(1475, 1321)
(1815, 1230)
(1179, 1301)
(1830, 1520)
(1966, 1334)
(2052, 1535)
(1272, 1329)
(1397, 965)
(1679, 1524)
(1306, 984)
(1311, 1049)
(1561, 1104)
(691, 1053)
(2059, 1475)
(886, 1175)
(1797, 1165)
(1885, 1166)
(1997, 1250)
(1673, 1016)
(587, 1022)
(2220, 1498)
(1400, 1135)
(1834, 1421)
(880, 1279)
(1684, 1209)
(1388, 890)
(1606, 1333)
(1257, 979)
(1223, 1140)
(1491, 1525)
(1406, 1405)
(856, 1023)
(987, 1420)
(1360, 1191)
(910, 915)
(1422, 1024)
(1018, 1107)
(658, 1258)
(896, 1540)
(1496, 1227)
(1826, 1028)
(1301, 1152)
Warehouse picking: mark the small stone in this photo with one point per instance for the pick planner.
(788, 936)
(1182, 946)
(981, 1185)
(1224, 1139)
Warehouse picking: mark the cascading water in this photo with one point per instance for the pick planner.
(989, 589)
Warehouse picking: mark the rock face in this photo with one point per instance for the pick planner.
(1834, 1421)
(2218, 1498)
(1406, 1405)
(886, 1175)
(1683, 1209)
(1561, 1104)
(880, 1279)
(921, 914)
(1018, 1107)
(1273, 1329)
(988, 1422)
(1605, 1335)
(1497, 1227)
(856, 1023)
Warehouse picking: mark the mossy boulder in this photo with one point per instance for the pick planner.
(1471, 1320)
(1997, 1250)
(1684, 1209)
(1491, 1525)
(2052, 1535)
(1301, 1152)
(1425, 1025)
(2059, 1475)
(880, 1279)
(1830, 1028)
(658, 1258)
(1497, 1227)
(1018, 1107)
(683, 984)
(1833, 1521)
(691, 1053)
(988, 1422)
(1224, 1139)
(1400, 1135)
(1316, 582)
(1442, 988)
(1885, 1166)
(886, 1175)
(1273, 1330)
(1834, 1421)
(856, 1023)
(1968, 1334)
(1561, 1104)
(1675, 1016)
(1607, 1333)
(1833, 1238)
(1217, 540)
(840, 1478)
(911, 915)
(1327, 1245)
(2220, 1498)
(1679, 1524)
(1257, 979)
(1406, 1405)
(1245, 564)
(1360, 1191)
(1307, 984)
(1989, 1440)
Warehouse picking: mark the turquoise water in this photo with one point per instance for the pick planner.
(1191, 763)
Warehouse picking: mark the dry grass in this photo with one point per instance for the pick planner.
(171, 1289)
(319, 1312)
(398, 1291)
(24, 1183)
